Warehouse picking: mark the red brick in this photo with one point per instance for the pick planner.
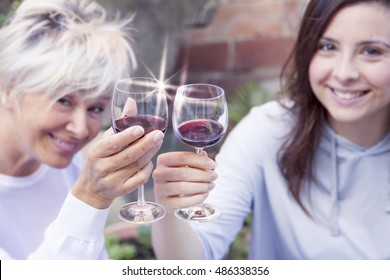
(262, 52)
(205, 57)
(249, 19)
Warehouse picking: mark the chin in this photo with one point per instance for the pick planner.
(59, 163)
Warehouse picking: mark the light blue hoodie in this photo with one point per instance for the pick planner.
(350, 204)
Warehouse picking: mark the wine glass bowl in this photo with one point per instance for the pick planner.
(200, 120)
(140, 101)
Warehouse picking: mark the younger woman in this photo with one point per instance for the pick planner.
(313, 168)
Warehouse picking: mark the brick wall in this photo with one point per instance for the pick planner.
(246, 40)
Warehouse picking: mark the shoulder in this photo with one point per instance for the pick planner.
(273, 110)
(262, 130)
(268, 119)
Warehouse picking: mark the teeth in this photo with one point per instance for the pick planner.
(64, 144)
(348, 95)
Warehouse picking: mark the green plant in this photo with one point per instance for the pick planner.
(246, 96)
(8, 9)
(136, 248)
(239, 249)
(118, 250)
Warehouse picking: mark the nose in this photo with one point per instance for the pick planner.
(77, 124)
(345, 69)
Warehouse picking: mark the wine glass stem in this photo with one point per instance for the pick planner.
(141, 196)
(199, 151)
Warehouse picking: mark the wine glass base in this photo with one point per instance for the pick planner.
(141, 214)
(199, 213)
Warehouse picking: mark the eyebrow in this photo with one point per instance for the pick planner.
(327, 39)
(105, 97)
(365, 42)
(368, 42)
(98, 98)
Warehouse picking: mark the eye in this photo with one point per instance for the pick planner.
(326, 46)
(64, 101)
(98, 109)
(372, 51)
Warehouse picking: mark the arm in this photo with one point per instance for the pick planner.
(181, 179)
(114, 165)
(76, 233)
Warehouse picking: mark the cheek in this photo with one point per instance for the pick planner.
(316, 70)
(95, 127)
(314, 74)
(320, 71)
(378, 77)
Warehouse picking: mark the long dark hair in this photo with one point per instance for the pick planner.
(297, 154)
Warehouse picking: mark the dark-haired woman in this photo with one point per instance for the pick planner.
(312, 167)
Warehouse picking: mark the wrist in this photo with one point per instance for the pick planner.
(92, 199)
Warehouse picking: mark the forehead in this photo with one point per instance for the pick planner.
(367, 20)
(91, 95)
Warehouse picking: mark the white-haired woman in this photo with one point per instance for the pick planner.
(58, 62)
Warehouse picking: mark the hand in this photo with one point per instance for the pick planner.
(183, 179)
(116, 164)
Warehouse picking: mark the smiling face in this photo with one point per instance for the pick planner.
(350, 72)
(53, 133)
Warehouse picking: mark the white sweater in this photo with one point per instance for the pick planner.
(349, 205)
(41, 219)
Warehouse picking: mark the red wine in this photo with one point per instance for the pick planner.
(148, 122)
(200, 133)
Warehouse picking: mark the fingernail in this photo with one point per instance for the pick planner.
(158, 136)
(211, 186)
(138, 131)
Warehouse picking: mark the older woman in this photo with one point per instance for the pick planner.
(58, 63)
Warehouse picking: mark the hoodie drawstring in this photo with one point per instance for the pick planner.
(387, 205)
(335, 230)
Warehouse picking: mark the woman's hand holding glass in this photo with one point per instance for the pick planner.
(116, 164)
(200, 119)
(183, 179)
(140, 101)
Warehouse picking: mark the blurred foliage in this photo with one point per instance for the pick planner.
(118, 250)
(136, 248)
(239, 249)
(246, 96)
(6, 7)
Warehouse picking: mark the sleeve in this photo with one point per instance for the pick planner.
(239, 171)
(76, 233)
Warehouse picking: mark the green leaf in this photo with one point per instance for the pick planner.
(246, 96)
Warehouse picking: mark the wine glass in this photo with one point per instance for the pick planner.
(199, 119)
(140, 101)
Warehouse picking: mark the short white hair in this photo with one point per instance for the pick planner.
(57, 47)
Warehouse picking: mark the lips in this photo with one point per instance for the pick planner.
(346, 94)
(64, 146)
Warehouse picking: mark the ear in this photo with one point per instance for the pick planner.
(7, 99)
